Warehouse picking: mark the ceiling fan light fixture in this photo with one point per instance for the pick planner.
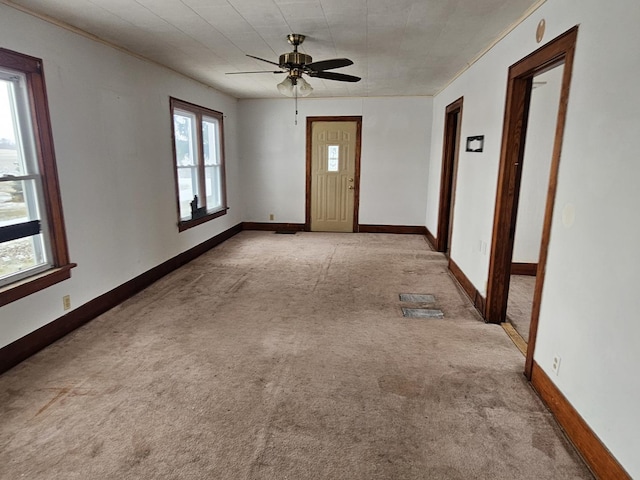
(286, 87)
(304, 88)
(295, 64)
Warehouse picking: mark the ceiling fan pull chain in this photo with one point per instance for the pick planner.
(296, 118)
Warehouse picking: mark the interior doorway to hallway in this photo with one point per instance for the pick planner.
(534, 184)
(451, 148)
(333, 174)
(512, 159)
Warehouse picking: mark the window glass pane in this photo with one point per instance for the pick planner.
(185, 138)
(211, 148)
(10, 163)
(15, 123)
(17, 202)
(210, 142)
(184, 125)
(187, 188)
(21, 254)
(333, 154)
(214, 190)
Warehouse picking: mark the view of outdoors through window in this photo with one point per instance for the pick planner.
(186, 159)
(212, 166)
(18, 184)
(198, 159)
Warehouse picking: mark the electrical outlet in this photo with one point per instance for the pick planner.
(272, 216)
(555, 366)
(66, 302)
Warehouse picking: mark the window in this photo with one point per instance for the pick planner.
(333, 155)
(198, 148)
(33, 248)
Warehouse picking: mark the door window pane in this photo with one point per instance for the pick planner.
(333, 155)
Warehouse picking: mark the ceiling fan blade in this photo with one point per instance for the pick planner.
(260, 71)
(263, 60)
(340, 77)
(329, 64)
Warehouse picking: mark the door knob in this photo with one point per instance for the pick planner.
(351, 187)
(351, 179)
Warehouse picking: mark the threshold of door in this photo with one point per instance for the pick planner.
(515, 337)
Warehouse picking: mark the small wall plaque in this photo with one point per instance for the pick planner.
(475, 144)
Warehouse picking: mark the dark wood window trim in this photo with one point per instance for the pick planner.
(18, 290)
(185, 225)
(31, 67)
(199, 112)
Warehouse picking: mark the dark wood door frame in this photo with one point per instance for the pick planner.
(450, 151)
(356, 200)
(558, 51)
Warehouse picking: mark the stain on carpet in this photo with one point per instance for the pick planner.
(61, 393)
(399, 385)
(141, 449)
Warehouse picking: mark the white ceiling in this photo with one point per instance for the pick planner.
(399, 47)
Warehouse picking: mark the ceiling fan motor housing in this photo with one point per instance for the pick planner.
(294, 60)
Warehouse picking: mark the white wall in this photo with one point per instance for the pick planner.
(112, 133)
(590, 304)
(538, 150)
(396, 136)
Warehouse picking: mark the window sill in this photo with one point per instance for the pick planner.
(15, 291)
(186, 224)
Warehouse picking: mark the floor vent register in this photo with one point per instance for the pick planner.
(420, 312)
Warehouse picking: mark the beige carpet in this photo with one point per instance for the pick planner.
(520, 303)
(284, 357)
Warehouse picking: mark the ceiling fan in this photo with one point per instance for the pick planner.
(295, 64)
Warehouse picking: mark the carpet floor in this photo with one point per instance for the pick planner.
(520, 303)
(284, 357)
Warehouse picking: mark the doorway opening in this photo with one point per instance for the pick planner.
(534, 184)
(333, 174)
(518, 102)
(450, 151)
